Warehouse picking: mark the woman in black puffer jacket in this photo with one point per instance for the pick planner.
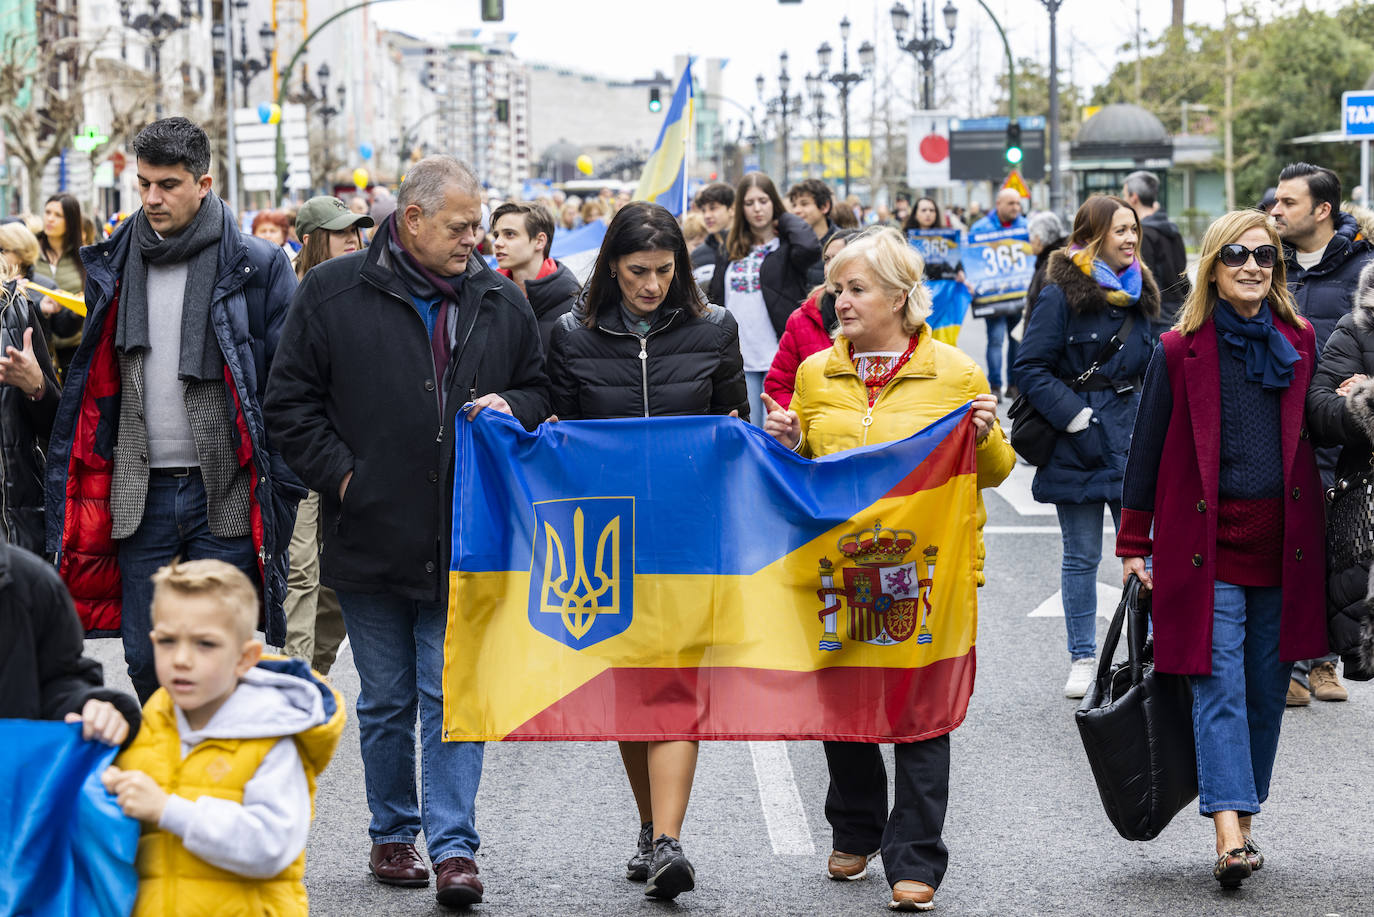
(28, 403)
(643, 343)
(1340, 412)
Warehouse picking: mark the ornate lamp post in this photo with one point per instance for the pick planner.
(781, 105)
(245, 67)
(814, 82)
(156, 25)
(319, 103)
(844, 81)
(927, 46)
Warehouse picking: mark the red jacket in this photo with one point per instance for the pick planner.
(804, 335)
(1186, 501)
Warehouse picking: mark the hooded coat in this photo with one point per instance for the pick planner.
(1070, 323)
(1348, 423)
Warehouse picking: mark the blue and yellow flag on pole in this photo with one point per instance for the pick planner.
(688, 578)
(664, 179)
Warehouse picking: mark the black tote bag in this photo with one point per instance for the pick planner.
(1137, 729)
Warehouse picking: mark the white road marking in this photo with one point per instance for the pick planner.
(1108, 597)
(343, 645)
(1016, 491)
(788, 830)
(1030, 530)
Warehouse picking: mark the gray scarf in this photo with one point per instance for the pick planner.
(197, 244)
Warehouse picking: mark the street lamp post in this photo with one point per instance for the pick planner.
(781, 105)
(927, 46)
(1056, 182)
(157, 25)
(819, 116)
(320, 103)
(844, 81)
(245, 67)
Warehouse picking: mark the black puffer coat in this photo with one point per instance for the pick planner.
(24, 428)
(1327, 291)
(686, 364)
(1334, 420)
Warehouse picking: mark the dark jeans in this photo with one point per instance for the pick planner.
(998, 328)
(398, 647)
(856, 806)
(176, 524)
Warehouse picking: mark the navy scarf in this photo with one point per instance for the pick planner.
(1268, 356)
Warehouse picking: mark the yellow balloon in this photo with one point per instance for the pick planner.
(360, 177)
(275, 116)
(584, 164)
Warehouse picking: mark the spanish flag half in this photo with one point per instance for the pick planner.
(664, 179)
(688, 578)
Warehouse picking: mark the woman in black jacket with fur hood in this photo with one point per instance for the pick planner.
(1340, 412)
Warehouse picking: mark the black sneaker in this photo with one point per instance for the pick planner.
(670, 874)
(637, 870)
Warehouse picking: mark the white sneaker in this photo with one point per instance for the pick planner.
(1081, 675)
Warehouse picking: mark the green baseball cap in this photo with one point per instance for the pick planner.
(325, 212)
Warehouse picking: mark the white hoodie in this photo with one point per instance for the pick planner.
(264, 834)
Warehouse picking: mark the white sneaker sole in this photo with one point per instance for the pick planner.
(910, 906)
(862, 874)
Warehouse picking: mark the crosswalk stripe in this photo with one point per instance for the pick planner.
(788, 830)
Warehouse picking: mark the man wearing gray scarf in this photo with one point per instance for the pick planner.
(159, 451)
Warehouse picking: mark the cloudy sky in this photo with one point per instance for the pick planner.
(634, 38)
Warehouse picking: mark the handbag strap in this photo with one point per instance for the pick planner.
(1129, 599)
(1109, 350)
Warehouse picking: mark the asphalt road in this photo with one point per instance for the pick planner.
(1025, 829)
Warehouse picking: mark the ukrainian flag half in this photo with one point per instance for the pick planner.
(664, 179)
(688, 578)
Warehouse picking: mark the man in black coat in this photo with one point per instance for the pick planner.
(1324, 253)
(1161, 247)
(387, 345)
(43, 675)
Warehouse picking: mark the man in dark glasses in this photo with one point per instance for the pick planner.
(1324, 254)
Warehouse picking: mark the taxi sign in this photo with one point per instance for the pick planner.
(1357, 114)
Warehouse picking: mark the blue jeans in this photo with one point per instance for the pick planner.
(1080, 529)
(1237, 710)
(753, 384)
(398, 648)
(998, 326)
(175, 524)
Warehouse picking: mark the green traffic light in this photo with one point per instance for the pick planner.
(1014, 155)
(655, 105)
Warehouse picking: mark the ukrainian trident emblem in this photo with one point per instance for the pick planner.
(887, 599)
(584, 566)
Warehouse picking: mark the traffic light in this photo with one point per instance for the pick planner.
(493, 10)
(655, 100)
(1013, 152)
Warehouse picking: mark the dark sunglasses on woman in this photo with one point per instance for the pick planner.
(1235, 255)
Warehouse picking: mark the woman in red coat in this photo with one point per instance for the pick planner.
(808, 329)
(1222, 466)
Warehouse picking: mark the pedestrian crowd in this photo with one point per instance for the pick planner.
(211, 434)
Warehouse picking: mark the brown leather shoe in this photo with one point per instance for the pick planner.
(398, 864)
(848, 866)
(1326, 684)
(910, 895)
(1298, 696)
(456, 882)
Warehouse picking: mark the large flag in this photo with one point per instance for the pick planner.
(66, 847)
(664, 179)
(689, 578)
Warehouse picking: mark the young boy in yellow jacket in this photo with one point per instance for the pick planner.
(223, 772)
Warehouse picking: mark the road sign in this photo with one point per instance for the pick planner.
(257, 148)
(1357, 114)
(927, 149)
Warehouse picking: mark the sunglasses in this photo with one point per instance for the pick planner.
(1235, 255)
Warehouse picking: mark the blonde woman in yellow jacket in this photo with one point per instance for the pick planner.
(884, 379)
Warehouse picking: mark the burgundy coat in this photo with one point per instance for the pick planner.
(1186, 504)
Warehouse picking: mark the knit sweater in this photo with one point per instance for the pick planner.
(1250, 514)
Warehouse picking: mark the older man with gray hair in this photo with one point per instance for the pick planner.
(387, 344)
